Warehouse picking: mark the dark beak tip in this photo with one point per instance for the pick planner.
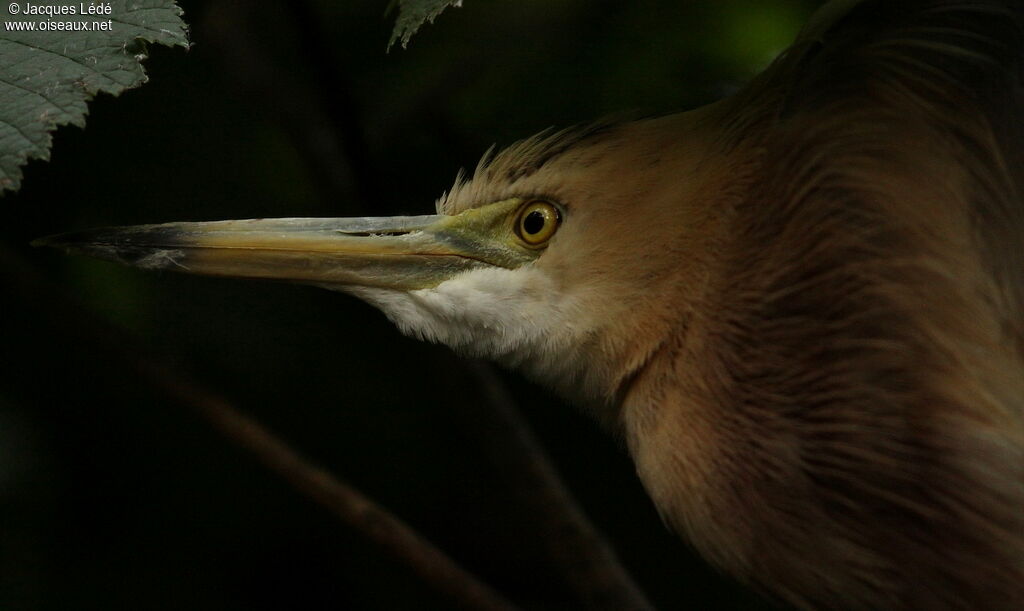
(68, 242)
(84, 243)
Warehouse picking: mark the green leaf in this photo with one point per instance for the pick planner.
(50, 66)
(412, 14)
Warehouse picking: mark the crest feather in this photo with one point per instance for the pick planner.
(497, 173)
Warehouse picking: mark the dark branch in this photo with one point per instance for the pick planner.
(577, 547)
(354, 508)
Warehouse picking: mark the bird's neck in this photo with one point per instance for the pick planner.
(685, 223)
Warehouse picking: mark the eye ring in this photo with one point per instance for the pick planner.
(537, 221)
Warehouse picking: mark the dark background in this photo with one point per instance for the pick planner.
(112, 496)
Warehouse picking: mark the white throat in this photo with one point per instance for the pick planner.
(519, 318)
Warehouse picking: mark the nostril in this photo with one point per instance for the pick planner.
(368, 234)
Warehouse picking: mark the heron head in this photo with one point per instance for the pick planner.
(554, 257)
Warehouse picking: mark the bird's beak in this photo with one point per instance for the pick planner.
(403, 252)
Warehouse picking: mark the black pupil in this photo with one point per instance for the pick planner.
(534, 222)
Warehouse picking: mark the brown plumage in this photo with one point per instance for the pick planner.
(801, 307)
(831, 405)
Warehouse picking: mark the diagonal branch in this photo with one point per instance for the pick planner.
(350, 505)
(579, 550)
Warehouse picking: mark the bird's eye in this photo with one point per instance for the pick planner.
(537, 222)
